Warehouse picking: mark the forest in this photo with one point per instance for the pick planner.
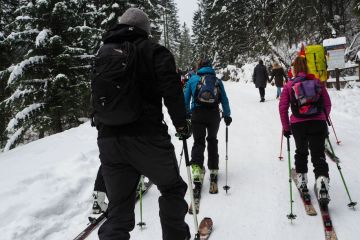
(47, 48)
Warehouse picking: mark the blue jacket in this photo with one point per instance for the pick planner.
(191, 88)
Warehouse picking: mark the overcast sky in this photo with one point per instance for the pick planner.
(186, 11)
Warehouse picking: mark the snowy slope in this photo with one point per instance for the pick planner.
(46, 185)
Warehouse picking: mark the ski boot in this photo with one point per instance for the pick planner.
(302, 181)
(198, 173)
(213, 181)
(99, 205)
(322, 191)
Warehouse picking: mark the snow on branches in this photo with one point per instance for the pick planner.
(21, 67)
(23, 114)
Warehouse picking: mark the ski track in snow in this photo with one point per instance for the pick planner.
(46, 185)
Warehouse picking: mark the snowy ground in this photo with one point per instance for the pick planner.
(46, 185)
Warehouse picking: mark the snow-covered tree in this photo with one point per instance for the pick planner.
(51, 45)
(50, 84)
(185, 49)
(201, 37)
(170, 27)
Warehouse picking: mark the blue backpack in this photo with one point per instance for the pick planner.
(208, 91)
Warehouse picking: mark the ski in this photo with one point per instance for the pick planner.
(305, 196)
(90, 228)
(197, 193)
(95, 222)
(330, 152)
(205, 228)
(330, 233)
(332, 156)
(197, 197)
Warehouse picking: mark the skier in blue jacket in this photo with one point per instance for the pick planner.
(205, 117)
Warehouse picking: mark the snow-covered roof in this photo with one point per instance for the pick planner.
(334, 41)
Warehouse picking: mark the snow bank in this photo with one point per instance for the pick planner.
(47, 184)
(233, 73)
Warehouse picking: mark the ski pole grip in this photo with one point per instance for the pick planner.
(288, 144)
(227, 134)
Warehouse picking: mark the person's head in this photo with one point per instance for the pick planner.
(136, 17)
(276, 65)
(300, 65)
(203, 63)
(261, 62)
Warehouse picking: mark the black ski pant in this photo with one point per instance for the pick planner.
(123, 160)
(310, 135)
(262, 92)
(205, 120)
(99, 182)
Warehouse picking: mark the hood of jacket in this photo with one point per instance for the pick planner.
(123, 32)
(206, 70)
(308, 76)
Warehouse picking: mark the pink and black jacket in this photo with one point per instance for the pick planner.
(285, 102)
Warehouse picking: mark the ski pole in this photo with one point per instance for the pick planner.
(141, 183)
(226, 187)
(332, 125)
(181, 155)
(197, 235)
(291, 216)
(351, 204)
(281, 146)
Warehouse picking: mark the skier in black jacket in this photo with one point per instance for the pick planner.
(143, 147)
(260, 78)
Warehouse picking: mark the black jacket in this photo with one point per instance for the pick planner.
(260, 76)
(279, 75)
(158, 80)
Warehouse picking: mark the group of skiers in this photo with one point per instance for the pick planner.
(133, 77)
(310, 105)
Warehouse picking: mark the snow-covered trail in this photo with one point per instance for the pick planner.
(46, 185)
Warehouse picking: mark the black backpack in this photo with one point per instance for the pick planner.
(116, 96)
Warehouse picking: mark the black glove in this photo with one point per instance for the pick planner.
(287, 133)
(184, 132)
(227, 120)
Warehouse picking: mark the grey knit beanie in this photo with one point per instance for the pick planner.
(136, 17)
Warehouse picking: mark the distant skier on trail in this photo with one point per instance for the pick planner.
(260, 78)
(127, 99)
(310, 105)
(280, 78)
(203, 94)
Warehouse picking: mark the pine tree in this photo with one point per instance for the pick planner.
(185, 51)
(51, 47)
(202, 30)
(171, 27)
(50, 85)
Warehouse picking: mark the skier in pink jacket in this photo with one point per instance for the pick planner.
(310, 105)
